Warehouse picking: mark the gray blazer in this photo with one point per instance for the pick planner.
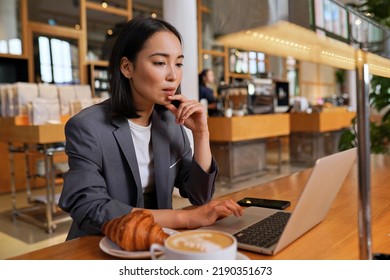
(103, 180)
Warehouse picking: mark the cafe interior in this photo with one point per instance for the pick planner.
(293, 84)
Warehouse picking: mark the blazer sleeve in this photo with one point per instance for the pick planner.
(85, 195)
(193, 182)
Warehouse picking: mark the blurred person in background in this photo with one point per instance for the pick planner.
(206, 91)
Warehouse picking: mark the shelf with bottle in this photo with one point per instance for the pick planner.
(98, 78)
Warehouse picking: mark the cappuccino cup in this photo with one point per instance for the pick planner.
(197, 245)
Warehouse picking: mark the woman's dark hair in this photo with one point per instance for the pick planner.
(202, 75)
(129, 43)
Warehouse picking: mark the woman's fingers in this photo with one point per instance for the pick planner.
(237, 209)
(226, 208)
(207, 214)
(189, 108)
(186, 109)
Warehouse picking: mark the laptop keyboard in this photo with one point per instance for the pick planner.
(266, 232)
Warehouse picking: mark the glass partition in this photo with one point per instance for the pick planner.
(331, 17)
(365, 32)
(345, 24)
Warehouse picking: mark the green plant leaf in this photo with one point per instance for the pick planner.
(347, 140)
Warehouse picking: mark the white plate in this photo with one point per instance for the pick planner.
(109, 247)
(240, 256)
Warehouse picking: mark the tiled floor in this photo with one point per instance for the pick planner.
(18, 237)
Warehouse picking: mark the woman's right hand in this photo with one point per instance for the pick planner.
(198, 216)
(209, 213)
(190, 113)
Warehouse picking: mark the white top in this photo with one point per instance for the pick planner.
(143, 150)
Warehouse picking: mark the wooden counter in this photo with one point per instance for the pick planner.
(239, 144)
(249, 127)
(331, 120)
(316, 134)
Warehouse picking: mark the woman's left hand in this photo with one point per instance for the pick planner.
(190, 113)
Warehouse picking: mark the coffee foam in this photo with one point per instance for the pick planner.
(200, 242)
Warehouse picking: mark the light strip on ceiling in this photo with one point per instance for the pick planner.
(287, 39)
(378, 65)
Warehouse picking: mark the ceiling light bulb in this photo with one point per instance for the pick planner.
(358, 21)
(104, 4)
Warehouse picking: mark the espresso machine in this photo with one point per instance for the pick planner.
(256, 96)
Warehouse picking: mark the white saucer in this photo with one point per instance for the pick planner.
(109, 247)
(240, 256)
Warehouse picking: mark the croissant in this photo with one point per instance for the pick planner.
(135, 231)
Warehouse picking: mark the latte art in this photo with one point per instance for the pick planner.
(202, 241)
(204, 244)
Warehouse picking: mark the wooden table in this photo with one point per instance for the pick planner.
(13, 130)
(335, 238)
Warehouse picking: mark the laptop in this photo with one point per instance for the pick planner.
(312, 207)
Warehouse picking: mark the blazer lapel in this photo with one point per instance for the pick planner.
(161, 153)
(125, 142)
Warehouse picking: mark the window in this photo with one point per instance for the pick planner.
(256, 62)
(247, 62)
(57, 61)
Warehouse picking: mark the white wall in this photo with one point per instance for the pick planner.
(8, 19)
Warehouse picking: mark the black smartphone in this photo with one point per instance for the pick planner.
(381, 256)
(262, 202)
(176, 103)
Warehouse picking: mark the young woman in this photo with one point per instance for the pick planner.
(206, 83)
(130, 151)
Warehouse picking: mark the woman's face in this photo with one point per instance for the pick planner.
(157, 70)
(209, 79)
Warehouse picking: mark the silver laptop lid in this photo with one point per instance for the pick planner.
(318, 195)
